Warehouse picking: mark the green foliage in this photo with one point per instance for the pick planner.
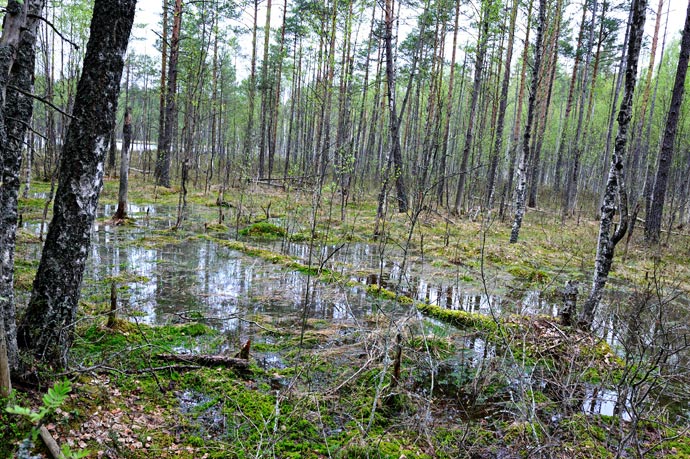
(52, 400)
(11, 431)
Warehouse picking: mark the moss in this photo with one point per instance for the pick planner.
(24, 273)
(529, 274)
(263, 230)
(460, 319)
(380, 292)
(216, 228)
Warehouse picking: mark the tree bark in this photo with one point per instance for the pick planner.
(478, 69)
(441, 187)
(396, 153)
(265, 94)
(569, 102)
(249, 133)
(521, 188)
(46, 329)
(653, 222)
(121, 212)
(570, 194)
(503, 104)
(163, 86)
(17, 59)
(609, 235)
(520, 91)
(163, 166)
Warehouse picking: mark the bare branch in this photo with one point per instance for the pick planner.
(41, 99)
(52, 26)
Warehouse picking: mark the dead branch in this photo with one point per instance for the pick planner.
(50, 443)
(207, 360)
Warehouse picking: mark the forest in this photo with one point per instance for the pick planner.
(344, 229)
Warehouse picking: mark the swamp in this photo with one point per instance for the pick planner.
(344, 229)
(443, 344)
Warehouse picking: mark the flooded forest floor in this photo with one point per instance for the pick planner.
(436, 338)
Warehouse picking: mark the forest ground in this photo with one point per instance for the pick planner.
(399, 381)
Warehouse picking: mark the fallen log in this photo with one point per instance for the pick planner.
(207, 360)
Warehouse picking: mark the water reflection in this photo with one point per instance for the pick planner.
(598, 400)
(199, 277)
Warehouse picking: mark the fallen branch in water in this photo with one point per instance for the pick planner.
(207, 360)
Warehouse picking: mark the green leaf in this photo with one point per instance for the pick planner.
(57, 395)
(20, 410)
(67, 453)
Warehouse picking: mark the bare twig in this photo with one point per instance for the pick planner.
(41, 99)
(50, 24)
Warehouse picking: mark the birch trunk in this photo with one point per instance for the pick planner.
(521, 188)
(46, 329)
(609, 233)
(17, 51)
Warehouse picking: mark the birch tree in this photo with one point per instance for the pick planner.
(17, 59)
(521, 188)
(615, 195)
(46, 328)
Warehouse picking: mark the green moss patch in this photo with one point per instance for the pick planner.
(263, 230)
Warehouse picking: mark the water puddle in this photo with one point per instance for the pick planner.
(602, 401)
(204, 413)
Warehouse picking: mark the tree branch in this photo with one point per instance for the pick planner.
(50, 24)
(41, 99)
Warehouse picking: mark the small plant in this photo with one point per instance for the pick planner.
(52, 400)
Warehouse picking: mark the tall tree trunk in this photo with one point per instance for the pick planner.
(569, 103)
(653, 222)
(163, 86)
(265, 95)
(47, 326)
(17, 59)
(249, 134)
(503, 104)
(324, 144)
(649, 183)
(214, 103)
(549, 72)
(164, 155)
(521, 188)
(518, 114)
(441, 187)
(294, 97)
(121, 212)
(359, 142)
(572, 180)
(615, 95)
(478, 69)
(273, 140)
(609, 235)
(641, 143)
(396, 153)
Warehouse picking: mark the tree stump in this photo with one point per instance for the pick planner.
(569, 309)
